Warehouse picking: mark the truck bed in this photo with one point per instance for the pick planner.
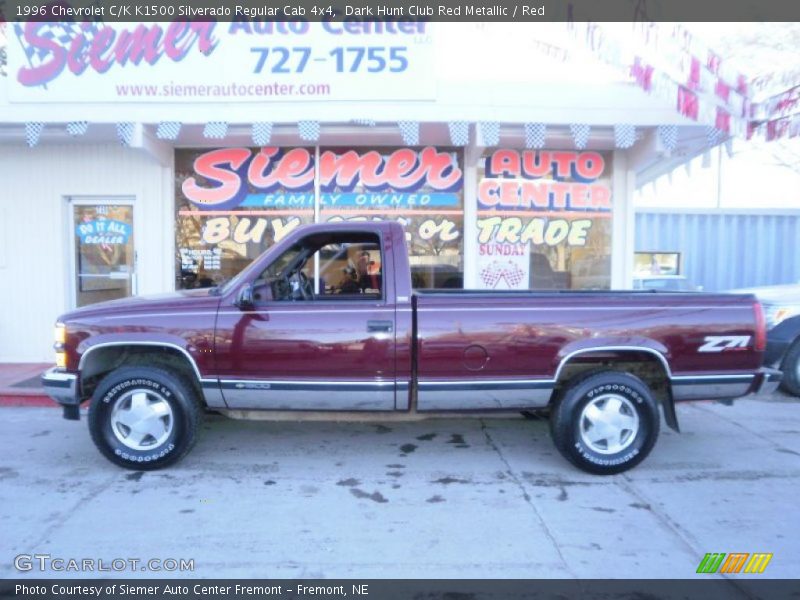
(506, 349)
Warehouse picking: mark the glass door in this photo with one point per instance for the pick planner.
(103, 251)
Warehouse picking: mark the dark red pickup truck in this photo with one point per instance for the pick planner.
(326, 320)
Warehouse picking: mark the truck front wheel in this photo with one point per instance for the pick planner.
(605, 422)
(144, 418)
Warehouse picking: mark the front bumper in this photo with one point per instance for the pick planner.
(767, 381)
(63, 388)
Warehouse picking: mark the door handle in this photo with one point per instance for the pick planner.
(379, 326)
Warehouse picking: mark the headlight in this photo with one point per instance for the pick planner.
(778, 313)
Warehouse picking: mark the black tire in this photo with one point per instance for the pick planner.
(791, 370)
(180, 427)
(567, 416)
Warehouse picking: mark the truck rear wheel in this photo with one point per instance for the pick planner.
(144, 418)
(605, 422)
(791, 370)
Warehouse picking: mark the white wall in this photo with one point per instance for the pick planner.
(36, 243)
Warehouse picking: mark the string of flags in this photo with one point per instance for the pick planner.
(535, 134)
(668, 61)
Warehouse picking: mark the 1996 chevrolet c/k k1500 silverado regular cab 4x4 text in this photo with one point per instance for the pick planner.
(326, 320)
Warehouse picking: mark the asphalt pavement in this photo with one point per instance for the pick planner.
(457, 498)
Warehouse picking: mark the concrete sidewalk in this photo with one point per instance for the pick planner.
(447, 498)
(19, 385)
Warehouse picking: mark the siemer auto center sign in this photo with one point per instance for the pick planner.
(250, 61)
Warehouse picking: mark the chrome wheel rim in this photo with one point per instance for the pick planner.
(609, 424)
(142, 419)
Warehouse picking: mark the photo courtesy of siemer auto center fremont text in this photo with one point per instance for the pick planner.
(443, 299)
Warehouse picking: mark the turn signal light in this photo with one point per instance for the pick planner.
(60, 334)
(61, 360)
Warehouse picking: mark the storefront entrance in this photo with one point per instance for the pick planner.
(103, 254)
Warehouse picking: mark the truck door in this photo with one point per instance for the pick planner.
(317, 333)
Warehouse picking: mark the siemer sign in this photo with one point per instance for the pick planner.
(251, 61)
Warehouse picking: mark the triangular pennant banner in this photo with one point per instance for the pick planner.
(32, 133)
(624, 136)
(409, 131)
(535, 135)
(125, 133)
(262, 133)
(215, 130)
(580, 134)
(76, 128)
(168, 130)
(491, 133)
(459, 133)
(309, 130)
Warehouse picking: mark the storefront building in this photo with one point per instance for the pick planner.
(139, 177)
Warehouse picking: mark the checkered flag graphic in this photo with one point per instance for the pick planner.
(535, 135)
(624, 136)
(309, 130)
(490, 130)
(459, 133)
(77, 128)
(513, 274)
(409, 131)
(168, 130)
(61, 33)
(668, 134)
(125, 133)
(580, 134)
(262, 133)
(32, 133)
(491, 274)
(215, 130)
(713, 136)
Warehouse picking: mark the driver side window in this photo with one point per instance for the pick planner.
(325, 267)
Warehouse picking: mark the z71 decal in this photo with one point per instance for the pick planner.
(722, 343)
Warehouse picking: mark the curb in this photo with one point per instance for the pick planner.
(26, 400)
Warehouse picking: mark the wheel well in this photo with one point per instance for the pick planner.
(645, 365)
(101, 361)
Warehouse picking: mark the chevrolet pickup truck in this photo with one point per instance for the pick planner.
(326, 321)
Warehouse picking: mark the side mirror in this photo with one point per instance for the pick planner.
(245, 299)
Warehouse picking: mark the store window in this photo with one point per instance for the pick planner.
(544, 220)
(422, 188)
(233, 203)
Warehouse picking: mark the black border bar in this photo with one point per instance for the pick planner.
(709, 587)
(402, 10)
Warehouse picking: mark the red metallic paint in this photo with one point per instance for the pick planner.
(526, 335)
